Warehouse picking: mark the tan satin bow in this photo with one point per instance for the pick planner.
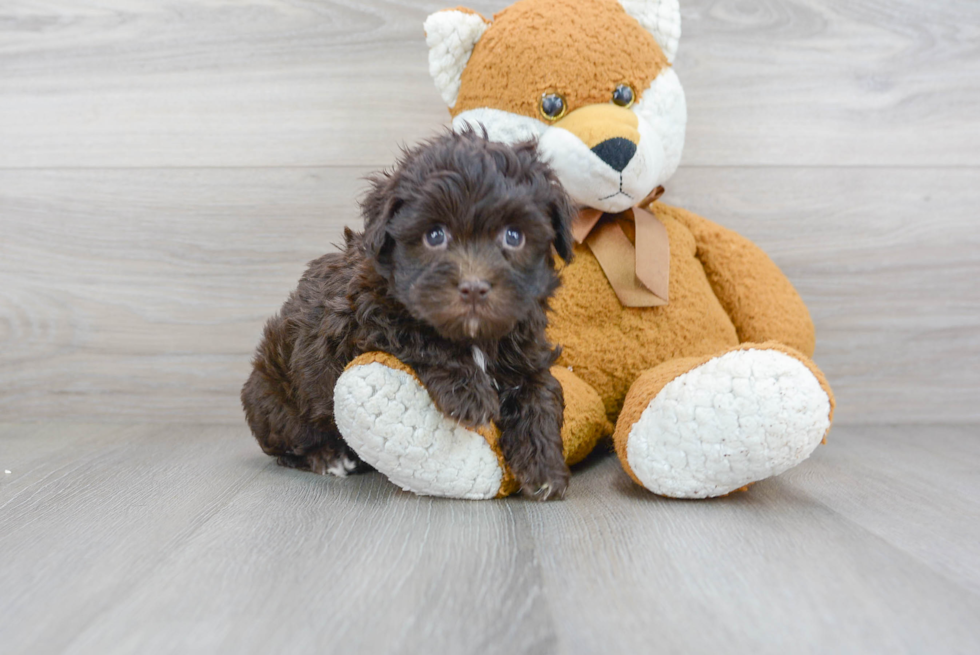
(639, 268)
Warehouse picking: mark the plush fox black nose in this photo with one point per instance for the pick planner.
(474, 291)
(617, 152)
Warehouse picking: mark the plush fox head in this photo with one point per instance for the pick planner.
(589, 80)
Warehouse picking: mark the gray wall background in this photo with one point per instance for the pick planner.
(168, 168)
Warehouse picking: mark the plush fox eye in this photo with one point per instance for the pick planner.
(512, 238)
(552, 106)
(623, 95)
(436, 238)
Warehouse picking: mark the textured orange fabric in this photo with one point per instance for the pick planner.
(535, 47)
(383, 358)
(585, 416)
(738, 295)
(760, 300)
(648, 385)
(508, 483)
(608, 346)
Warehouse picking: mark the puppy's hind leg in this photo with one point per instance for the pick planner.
(330, 456)
(316, 447)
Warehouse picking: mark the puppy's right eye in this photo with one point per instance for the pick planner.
(512, 238)
(436, 238)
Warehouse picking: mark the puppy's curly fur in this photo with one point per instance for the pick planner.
(452, 276)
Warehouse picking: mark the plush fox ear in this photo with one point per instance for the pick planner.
(662, 18)
(451, 35)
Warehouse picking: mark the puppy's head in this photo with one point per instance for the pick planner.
(463, 230)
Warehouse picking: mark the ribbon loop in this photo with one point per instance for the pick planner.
(637, 269)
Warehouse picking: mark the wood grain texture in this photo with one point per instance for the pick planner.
(859, 481)
(186, 539)
(166, 170)
(290, 82)
(780, 560)
(140, 295)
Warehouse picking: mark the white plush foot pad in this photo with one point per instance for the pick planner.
(739, 418)
(392, 424)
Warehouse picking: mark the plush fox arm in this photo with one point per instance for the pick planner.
(759, 299)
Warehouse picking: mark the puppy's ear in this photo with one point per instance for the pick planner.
(563, 212)
(548, 190)
(378, 207)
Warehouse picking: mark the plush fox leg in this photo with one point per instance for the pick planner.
(585, 421)
(704, 427)
(388, 418)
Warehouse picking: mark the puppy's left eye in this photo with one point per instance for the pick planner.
(436, 238)
(513, 238)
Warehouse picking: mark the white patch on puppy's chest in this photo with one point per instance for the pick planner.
(480, 358)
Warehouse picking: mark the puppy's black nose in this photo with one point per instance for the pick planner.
(616, 152)
(474, 291)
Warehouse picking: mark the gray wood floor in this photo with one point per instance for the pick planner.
(167, 168)
(186, 539)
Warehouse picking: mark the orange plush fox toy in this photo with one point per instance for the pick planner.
(681, 338)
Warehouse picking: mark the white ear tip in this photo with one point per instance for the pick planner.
(451, 36)
(662, 18)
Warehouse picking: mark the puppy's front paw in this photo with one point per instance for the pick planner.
(475, 408)
(542, 482)
(470, 404)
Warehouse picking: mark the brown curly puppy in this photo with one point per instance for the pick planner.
(452, 276)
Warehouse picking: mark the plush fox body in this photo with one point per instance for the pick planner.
(697, 358)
